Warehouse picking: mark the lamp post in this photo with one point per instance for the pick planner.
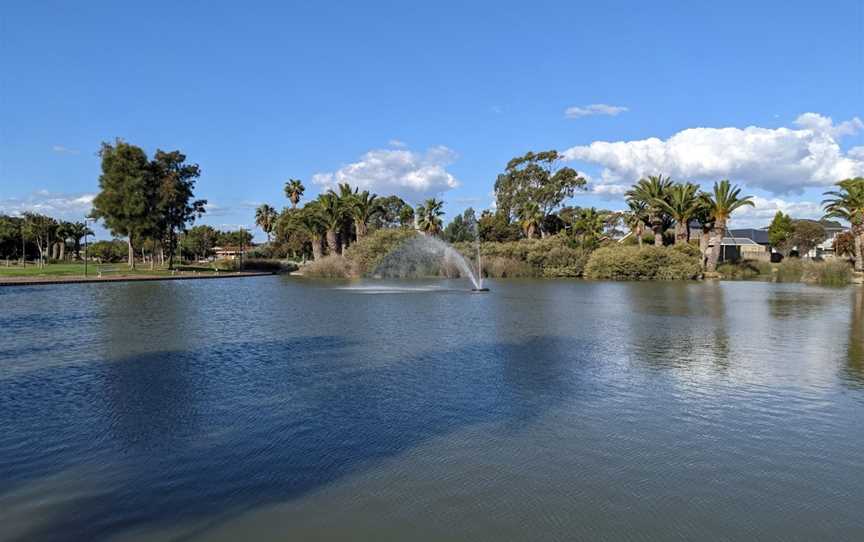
(86, 220)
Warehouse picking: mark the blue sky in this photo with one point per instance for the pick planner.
(434, 97)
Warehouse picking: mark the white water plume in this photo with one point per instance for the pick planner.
(424, 256)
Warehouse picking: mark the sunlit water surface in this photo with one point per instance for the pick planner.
(282, 409)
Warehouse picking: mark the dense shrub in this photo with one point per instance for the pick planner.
(501, 267)
(328, 267)
(647, 263)
(276, 266)
(554, 256)
(364, 255)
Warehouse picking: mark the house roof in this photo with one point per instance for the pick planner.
(758, 236)
(738, 241)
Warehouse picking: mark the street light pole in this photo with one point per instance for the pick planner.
(85, 247)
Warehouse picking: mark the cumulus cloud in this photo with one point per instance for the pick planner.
(57, 205)
(765, 209)
(594, 109)
(778, 160)
(407, 174)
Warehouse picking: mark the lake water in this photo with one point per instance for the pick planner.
(286, 409)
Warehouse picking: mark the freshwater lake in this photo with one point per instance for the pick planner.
(279, 408)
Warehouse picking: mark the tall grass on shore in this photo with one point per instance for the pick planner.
(834, 272)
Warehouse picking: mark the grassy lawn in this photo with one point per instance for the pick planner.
(77, 269)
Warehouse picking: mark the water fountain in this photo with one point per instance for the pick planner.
(425, 255)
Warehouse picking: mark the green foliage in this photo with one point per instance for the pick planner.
(429, 216)
(496, 227)
(554, 256)
(462, 228)
(618, 262)
(265, 218)
(535, 179)
(294, 191)
(107, 251)
(806, 235)
(365, 255)
(199, 241)
(847, 203)
(789, 270)
(395, 213)
(500, 267)
(780, 232)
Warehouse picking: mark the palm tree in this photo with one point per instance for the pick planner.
(706, 221)
(847, 203)
(635, 218)
(347, 197)
(313, 224)
(331, 210)
(530, 219)
(589, 225)
(294, 191)
(650, 191)
(76, 232)
(429, 216)
(363, 207)
(681, 204)
(722, 202)
(265, 218)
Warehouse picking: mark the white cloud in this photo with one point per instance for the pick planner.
(594, 109)
(60, 149)
(396, 143)
(407, 174)
(765, 209)
(64, 206)
(778, 160)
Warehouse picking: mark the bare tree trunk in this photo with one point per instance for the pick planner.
(62, 247)
(317, 248)
(681, 234)
(639, 233)
(361, 228)
(704, 241)
(332, 242)
(131, 261)
(719, 229)
(859, 251)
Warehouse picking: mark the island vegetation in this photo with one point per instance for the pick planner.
(671, 229)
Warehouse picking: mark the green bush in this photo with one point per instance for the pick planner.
(501, 267)
(554, 256)
(647, 263)
(328, 267)
(275, 266)
(365, 255)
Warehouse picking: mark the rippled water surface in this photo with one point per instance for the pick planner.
(281, 409)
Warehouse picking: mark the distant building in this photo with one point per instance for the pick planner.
(231, 252)
(734, 249)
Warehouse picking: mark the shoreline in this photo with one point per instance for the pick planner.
(49, 280)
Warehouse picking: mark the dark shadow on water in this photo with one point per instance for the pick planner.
(191, 435)
(854, 373)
